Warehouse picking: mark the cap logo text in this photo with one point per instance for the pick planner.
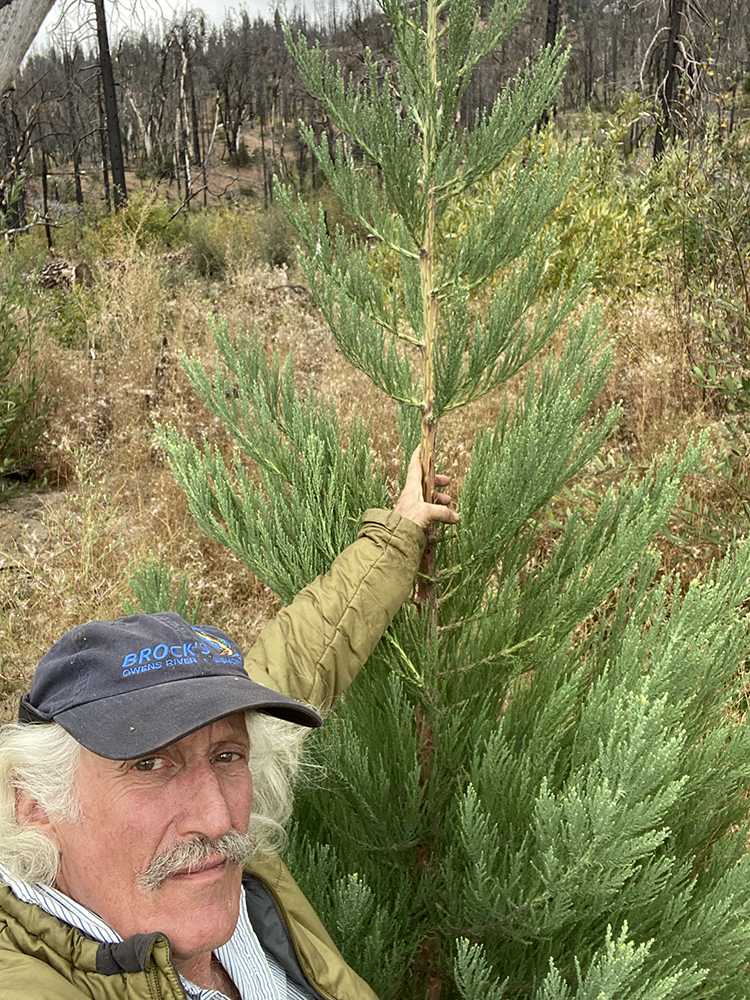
(156, 657)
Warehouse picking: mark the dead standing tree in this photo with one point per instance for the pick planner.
(114, 140)
(19, 22)
(679, 61)
(670, 77)
(15, 146)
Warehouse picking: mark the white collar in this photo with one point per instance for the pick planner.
(256, 975)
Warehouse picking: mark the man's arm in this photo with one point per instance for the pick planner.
(313, 649)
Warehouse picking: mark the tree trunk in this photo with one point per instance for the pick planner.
(110, 107)
(732, 107)
(15, 215)
(183, 124)
(194, 119)
(45, 200)
(665, 127)
(615, 45)
(144, 129)
(553, 16)
(103, 142)
(76, 151)
(266, 179)
(19, 22)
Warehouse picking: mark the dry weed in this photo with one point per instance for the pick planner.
(70, 562)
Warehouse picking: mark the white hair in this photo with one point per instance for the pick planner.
(275, 749)
(42, 761)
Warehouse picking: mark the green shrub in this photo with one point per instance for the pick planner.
(208, 245)
(277, 241)
(66, 320)
(606, 216)
(64, 189)
(242, 157)
(701, 193)
(324, 199)
(147, 223)
(222, 238)
(150, 579)
(159, 165)
(23, 407)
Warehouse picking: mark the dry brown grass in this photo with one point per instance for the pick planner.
(64, 552)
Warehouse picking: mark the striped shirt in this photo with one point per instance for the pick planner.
(255, 973)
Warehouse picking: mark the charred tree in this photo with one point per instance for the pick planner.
(666, 92)
(114, 139)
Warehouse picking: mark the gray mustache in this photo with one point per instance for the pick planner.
(190, 855)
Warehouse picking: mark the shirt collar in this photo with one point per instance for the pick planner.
(242, 956)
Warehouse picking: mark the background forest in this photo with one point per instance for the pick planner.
(564, 731)
(190, 93)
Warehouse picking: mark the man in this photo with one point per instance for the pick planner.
(149, 767)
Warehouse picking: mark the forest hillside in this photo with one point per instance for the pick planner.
(568, 691)
(92, 332)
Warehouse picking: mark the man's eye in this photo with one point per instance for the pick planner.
(148, 764)
(228, 757)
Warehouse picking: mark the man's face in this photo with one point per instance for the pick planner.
(134, 811)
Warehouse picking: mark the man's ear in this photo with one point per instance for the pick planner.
(30, 813)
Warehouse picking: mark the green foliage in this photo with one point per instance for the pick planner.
(11, 200)
(152, 584)
(275, 239)
(614, 973)
(323, 200)
(538, 786)
(146, 223)
(290, 518)
(474, 977)
(23, 407)
(714, 251)
(208, 251)
(66, 316)
(607, 212)
(346, 903)
(159, 166)
(633, 218)
(221, 238)
(424, 164)
(242, 157)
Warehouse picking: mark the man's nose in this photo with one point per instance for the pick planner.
(202, 806)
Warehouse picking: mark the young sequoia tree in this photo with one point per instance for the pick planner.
(537, 786)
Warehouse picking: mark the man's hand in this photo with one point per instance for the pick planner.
(411, 503)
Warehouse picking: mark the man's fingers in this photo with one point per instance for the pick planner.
(444, 514)
(414, 475)
(415, 462)
(411, 503)
(414, 470)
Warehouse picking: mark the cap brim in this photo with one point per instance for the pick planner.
(126, 726)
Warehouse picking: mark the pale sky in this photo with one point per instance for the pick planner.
(143, 12)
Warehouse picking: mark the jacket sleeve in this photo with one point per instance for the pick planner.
(313, 649)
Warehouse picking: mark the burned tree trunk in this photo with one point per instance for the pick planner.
(68, 61)
(114, 140)
(553, 20)
(666, 90)
(19, 22)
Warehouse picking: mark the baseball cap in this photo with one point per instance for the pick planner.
(129, 687)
